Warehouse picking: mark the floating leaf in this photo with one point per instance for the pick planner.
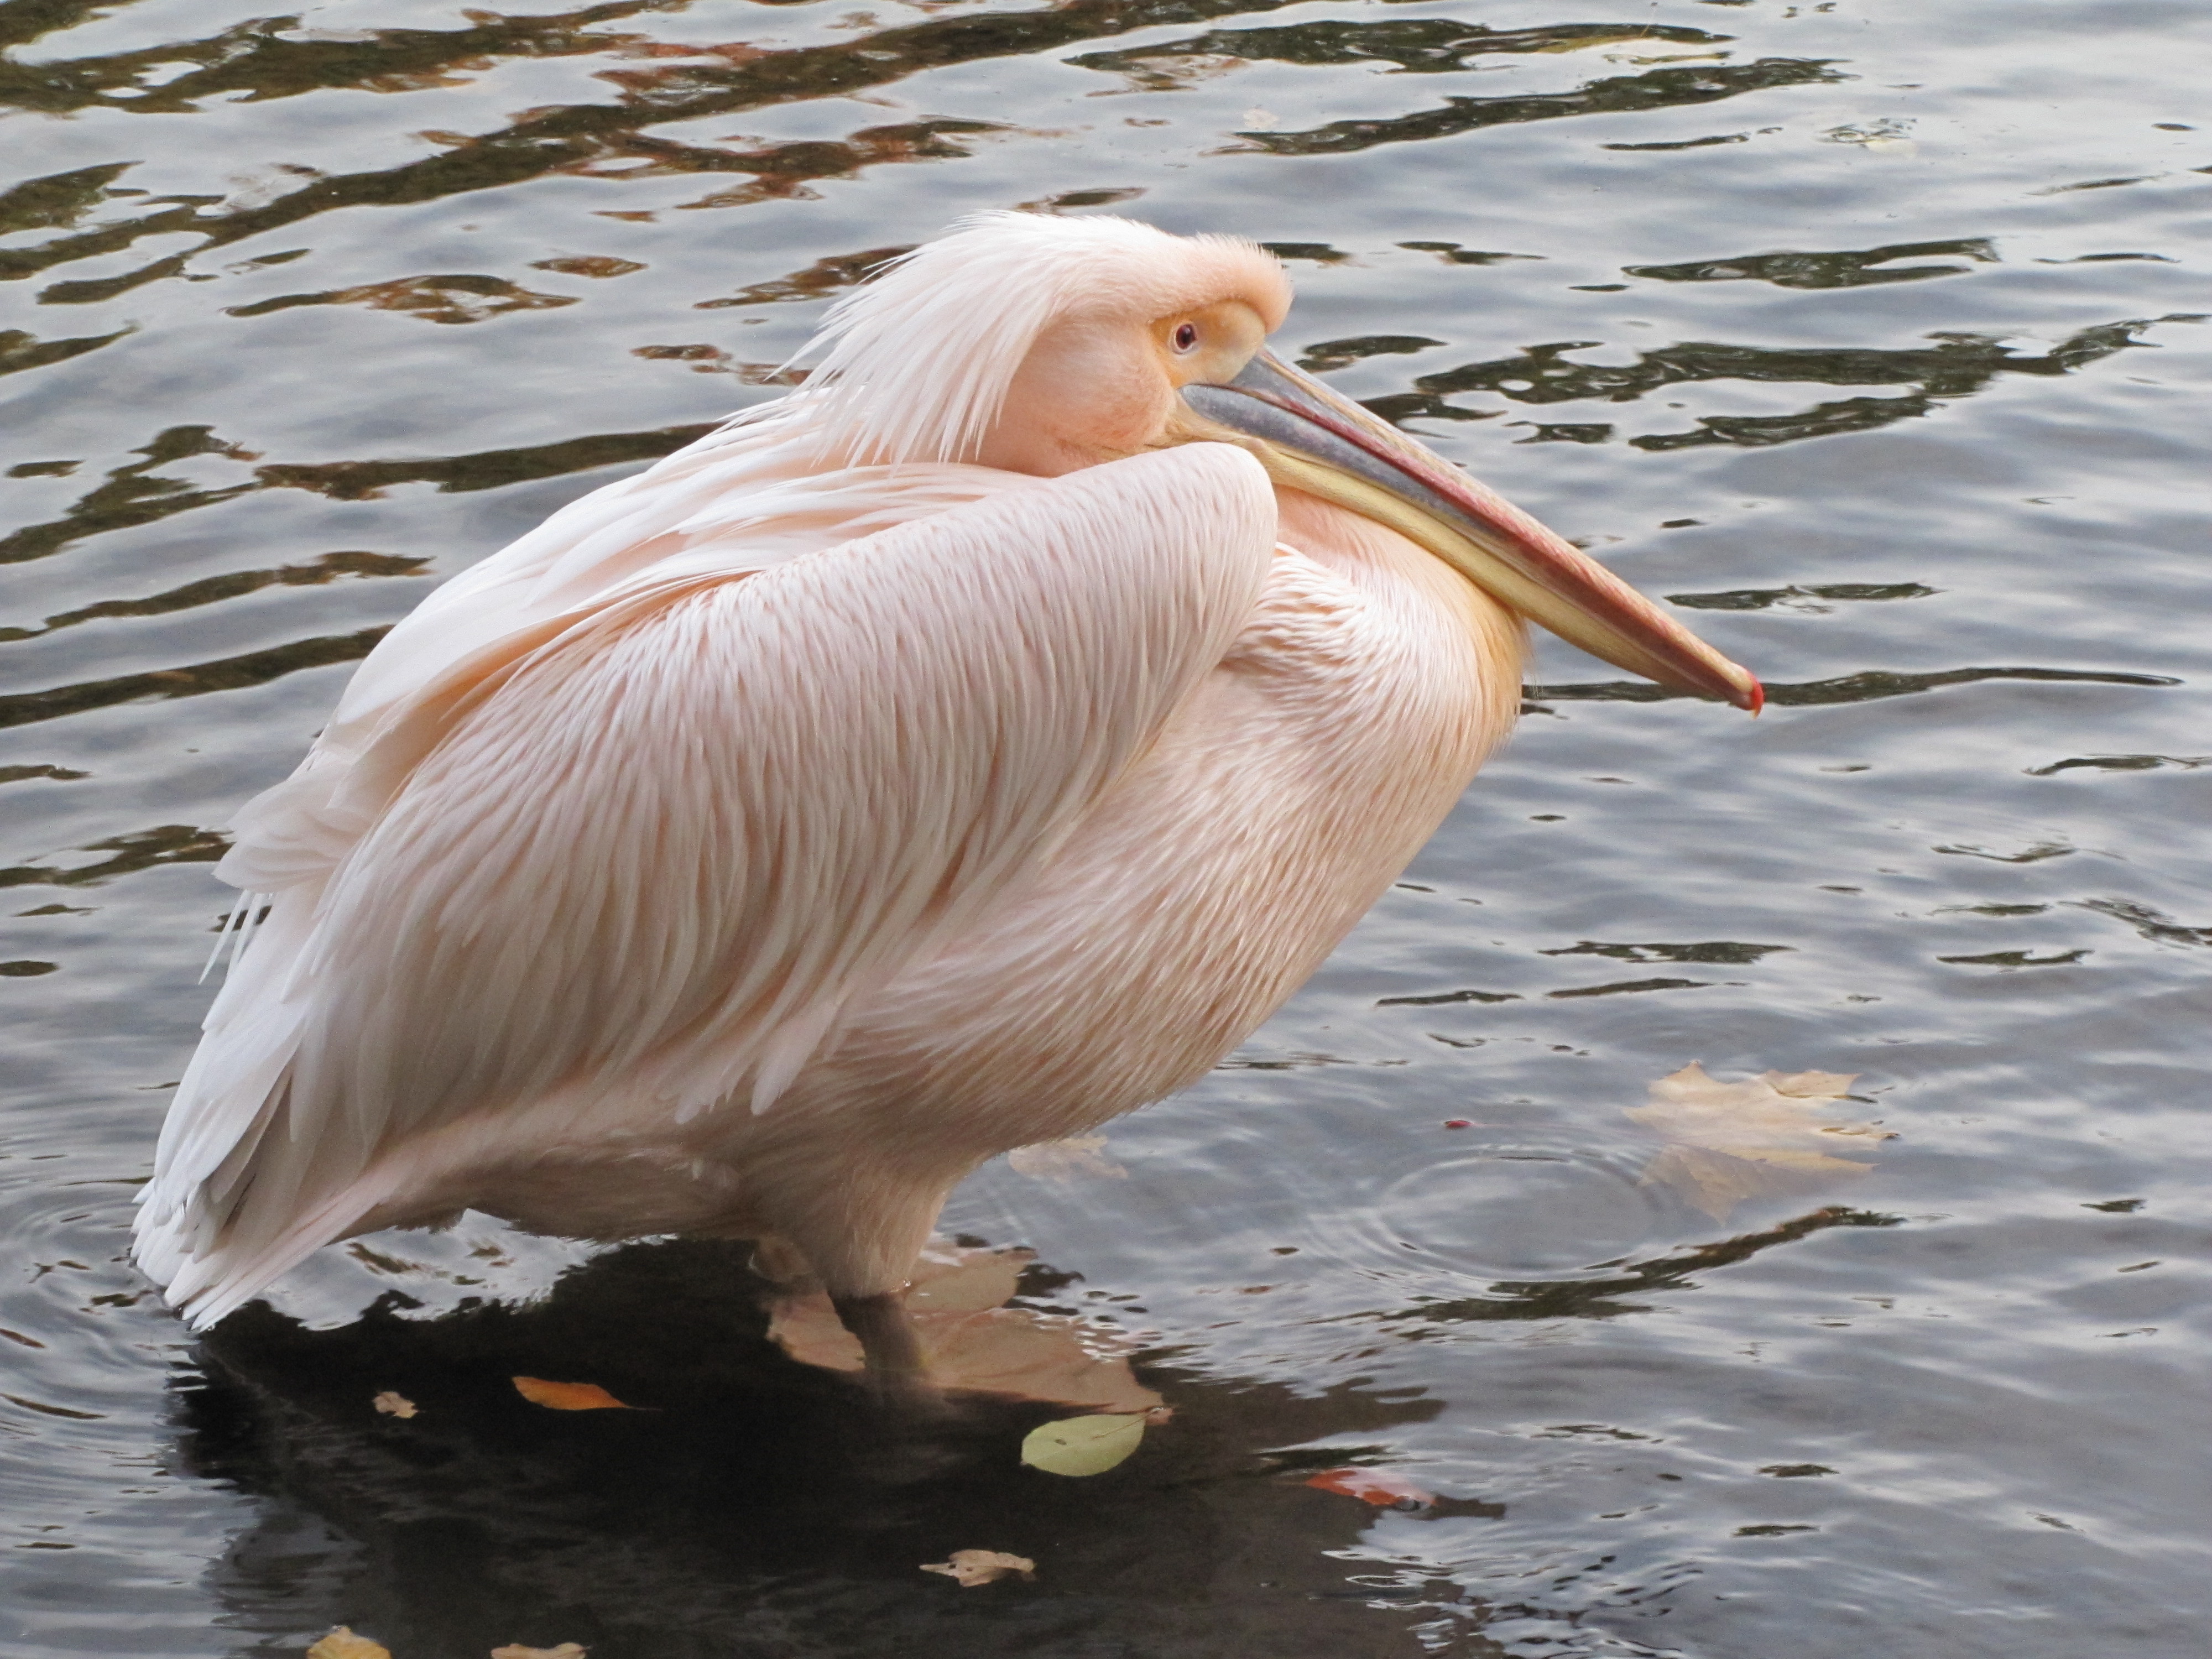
(343, 1644)
(953, 1279)
(1083, 1445)
(1738, 1140)
(567, 1396)
(970, 1341)
(1382, 1487)
(973, 1567)
(517, 1650)
(393, 1405)
(1064, 1160)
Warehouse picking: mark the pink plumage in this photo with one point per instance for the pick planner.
(954, 755)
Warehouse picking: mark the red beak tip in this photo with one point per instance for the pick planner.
(1758, 699)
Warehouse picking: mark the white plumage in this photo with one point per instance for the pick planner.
(945, 758)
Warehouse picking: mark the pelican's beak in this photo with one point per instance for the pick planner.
(1311, 438)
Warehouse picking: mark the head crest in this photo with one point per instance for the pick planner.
(914, 366)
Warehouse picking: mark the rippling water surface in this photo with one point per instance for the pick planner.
(1870, 332)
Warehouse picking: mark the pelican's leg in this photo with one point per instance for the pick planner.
(896, 1370)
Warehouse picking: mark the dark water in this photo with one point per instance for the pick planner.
(1871, 331)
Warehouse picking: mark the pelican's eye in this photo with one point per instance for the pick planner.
(1186, 336)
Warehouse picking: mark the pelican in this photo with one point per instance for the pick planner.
(968, 747)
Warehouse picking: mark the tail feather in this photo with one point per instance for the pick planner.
(209, 1286)
(229, 1113)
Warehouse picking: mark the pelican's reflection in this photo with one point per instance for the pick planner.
(751, 1505)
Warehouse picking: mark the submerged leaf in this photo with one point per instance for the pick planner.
(1381, 1487)
(973, 1567)
(394, 1404)
(1064, 1160)
(970, 1341)
(343, 1644)
(567, 1396)
(1738, 1140)
(1083, 1445)
(517, 1650)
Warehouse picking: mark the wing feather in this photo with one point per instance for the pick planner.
(662, 849)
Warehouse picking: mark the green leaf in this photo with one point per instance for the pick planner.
(1083, 1445)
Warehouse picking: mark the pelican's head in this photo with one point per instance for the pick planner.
(1045, 345)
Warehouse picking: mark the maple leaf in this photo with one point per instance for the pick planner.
(969, 1340)
(973, 1567)
(394, 1404)
(1733, 1141)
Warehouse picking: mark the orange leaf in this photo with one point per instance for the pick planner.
(343, 1644)
(567, 1396)
(1380, 1487)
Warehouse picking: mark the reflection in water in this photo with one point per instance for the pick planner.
(20, 349)
(192, 680)
(1599, 1297)
(1805, 600)
(135, 495)
(1726, 952)
(823, 277)
(1957, 365)
(1417, 46)
(1843, 268)
(215, 589)
(1848, 688)
(450, 299)
(1658, 88)
(752, 1505)
(256, 59)
(143, 849)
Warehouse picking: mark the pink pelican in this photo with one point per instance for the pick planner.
(974, 744)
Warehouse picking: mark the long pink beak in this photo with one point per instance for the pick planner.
(1313, 440)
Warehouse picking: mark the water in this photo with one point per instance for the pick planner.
(1870, 331)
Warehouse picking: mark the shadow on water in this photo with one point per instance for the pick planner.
(751, 1506)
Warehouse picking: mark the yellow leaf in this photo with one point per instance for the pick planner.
(1733, 1141)
(973, 1567)
(517, 1650)
(343, 1644)
(393, 1405)
(1083, 1445)
(567, 1396)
